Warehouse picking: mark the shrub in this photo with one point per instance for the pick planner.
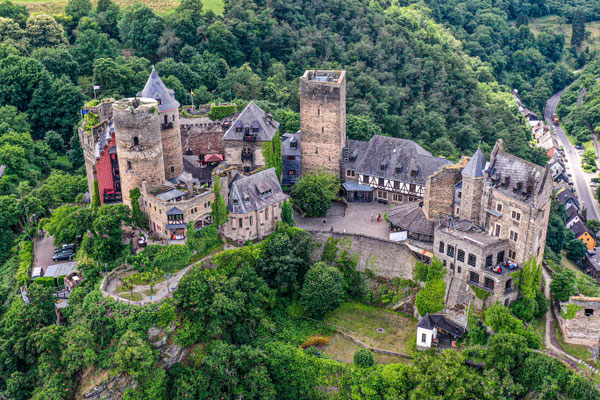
(323, 290)
(318, 341)
(47, 281)
(524, 308)
(220, 112)
(364, 358)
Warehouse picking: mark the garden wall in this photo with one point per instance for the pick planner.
(387, 259)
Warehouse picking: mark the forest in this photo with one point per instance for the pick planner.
(438, 72)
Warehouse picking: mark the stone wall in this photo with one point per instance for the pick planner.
(387, 259)
(202, 135)
(439, 192)
(143, 161)
(171, 143)
(233, 154)
(323, 123)
(583, 329)
(254, 225)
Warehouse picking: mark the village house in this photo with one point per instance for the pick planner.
(592, 263)
(584, 234)
(567, 198)
(437, 330)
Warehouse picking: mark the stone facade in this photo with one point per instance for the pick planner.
(439, 192)
(323, 120)
(254, 225)
(387, 259)
(244, 155)
(584, 328)
(472, 191)
(139, 144)
(470, 258)
(196, 209)
(171, 143)
(202, 136)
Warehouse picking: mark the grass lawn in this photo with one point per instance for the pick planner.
(576, 350)
(361, 321)
(565, 262)
(556, 24)
(136, 296)
(342, 349)
(539, 328)
(159, 6)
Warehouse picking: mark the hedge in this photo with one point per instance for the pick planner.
(220, 112)
(26, 260)
(47, 281)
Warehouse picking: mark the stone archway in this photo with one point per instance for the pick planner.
(203, 221)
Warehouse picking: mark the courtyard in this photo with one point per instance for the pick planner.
(356, 219)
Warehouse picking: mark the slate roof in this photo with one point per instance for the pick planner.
(571, 213)
(174, 211)
(286, 139)
(63, 269)
(517, 178)
(170, 195)
(245, 192)
(410, 216)
(476, 165)
(579, 228)
(593, 258)
(353, 186)
(202, 173)
(398, 156)
(565, 195)
(156, 89)
(253, 117)
(433, 321)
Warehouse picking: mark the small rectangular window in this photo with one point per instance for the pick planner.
(498, 229)
(365, 178)
(381, 181)
(240, 223)
(396, 185)
(413, 187)
(424, 338)
(500, 258)
(460, 255)
(589, 312)
(474, 277)
(489, 260)
(472, 260)
(516, 215)
(499, 207)
(512, 254)
(442, 247)
(514, 236)
(450, 251)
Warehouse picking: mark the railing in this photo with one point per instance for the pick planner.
(509, 290)
(168, 125)
(487, 289)
(112, 197)
(247, 156)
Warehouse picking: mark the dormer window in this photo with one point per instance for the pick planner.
(293, 145)
(238, 129)
(247, 199)
(414, 172)
(246, 130)
(398, 170)
(235, 202)
(383, 167)
(255, 130)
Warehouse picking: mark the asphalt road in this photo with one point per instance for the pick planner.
(44, 251)
(580, 178)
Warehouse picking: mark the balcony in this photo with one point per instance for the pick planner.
(168, 125)
(487, 288)
(509, 290)
(249, 138)
(247, 156)
(504, 268)
(111, 196)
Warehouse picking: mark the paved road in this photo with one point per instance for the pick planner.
(581, 179)
(44, 251)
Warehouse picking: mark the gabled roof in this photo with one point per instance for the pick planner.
(174, 211)
(254, 192)
(476, 165)
(253, 117)
(402, 160)
(565, 195)
(571, 213)
(286, 140)
(517, 178)
(579, 228)
(433, 321)
(156, 89)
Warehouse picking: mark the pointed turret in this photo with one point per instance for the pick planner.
(156, 89)
(476, 165)
(472, 188)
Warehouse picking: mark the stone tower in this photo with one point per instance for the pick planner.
(323, 120)
(168, 109)
(472, 188)
(138, 132)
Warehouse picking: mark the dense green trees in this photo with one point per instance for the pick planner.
(323, 290)
(315, 192)
(430, 299)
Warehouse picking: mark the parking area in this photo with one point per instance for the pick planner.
(44, 250)
(357, 219)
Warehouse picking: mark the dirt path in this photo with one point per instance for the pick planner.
(552, 345)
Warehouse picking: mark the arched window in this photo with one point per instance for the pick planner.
(136, 141)
(129, 165)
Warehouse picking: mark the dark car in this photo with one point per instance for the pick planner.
(65, 247)
(62, 256)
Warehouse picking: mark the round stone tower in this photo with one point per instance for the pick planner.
(168, 108)
(139, 144)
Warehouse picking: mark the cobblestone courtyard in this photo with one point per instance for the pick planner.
(357, 220)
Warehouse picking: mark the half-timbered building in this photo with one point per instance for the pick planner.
(396, 169)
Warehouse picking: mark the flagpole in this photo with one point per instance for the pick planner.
(192, 97)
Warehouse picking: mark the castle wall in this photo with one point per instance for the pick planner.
(171, 144)
(584, 328)
(387, 259)
(104, 169)
(323, 123)
(145, 160)
(439, 192)
(202, 135)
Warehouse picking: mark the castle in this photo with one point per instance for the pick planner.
(137, 145)
(482, 219)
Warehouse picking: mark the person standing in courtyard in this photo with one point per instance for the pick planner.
(372, 217)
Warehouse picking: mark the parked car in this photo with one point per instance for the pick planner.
(63, 256)
(65, 247)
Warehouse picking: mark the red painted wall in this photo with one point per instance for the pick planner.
(104, 168)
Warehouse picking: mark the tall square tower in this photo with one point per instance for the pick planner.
(323, 120)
